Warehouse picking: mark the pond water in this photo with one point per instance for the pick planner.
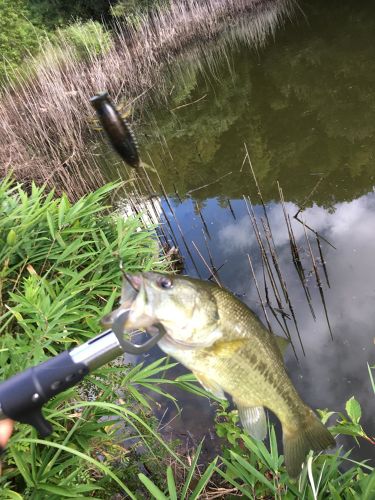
(304, 106)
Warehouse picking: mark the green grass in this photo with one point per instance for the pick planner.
(254, 469)
(59, 274)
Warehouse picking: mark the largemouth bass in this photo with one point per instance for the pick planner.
(225, 345)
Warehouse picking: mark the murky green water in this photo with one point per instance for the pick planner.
(304, 105)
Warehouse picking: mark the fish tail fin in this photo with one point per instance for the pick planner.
(310, 435)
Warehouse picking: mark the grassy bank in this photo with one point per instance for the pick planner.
(59, 273)
(45, 112)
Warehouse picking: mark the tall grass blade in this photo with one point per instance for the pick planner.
(85, 457)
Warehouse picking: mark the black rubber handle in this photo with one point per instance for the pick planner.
(22, 396)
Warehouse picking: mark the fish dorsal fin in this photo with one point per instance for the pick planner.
(253, 419)
(282, 344)
(210, 385)
(226, 348)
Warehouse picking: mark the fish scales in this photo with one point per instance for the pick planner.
(243, 372)
(222, 341)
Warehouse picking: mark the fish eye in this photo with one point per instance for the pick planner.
(165, 283)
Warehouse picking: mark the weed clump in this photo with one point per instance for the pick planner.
(59, 274)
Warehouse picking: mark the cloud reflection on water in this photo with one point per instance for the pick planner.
(331, 372)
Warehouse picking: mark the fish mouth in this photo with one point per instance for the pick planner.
(128, 296)
(134, 280)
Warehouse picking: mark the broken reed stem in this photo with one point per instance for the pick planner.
(263, 252)
(302, 207)
(166, 218)
(265, 283)
(258, 190)
(189, 103)
(172, 233)
(297, 261)
(318, 235)
(259, 294)
(149, 187)
(202, 219)
(272, 279)
(269, 271)
(278, 299)
(286, 329)
(176, 193)
(179, 229)
(214, 268)
(209, 184)
(273, 246)
(323, 262)
(231, 209)
(318, 281)
(212, 271)
(300, 271)
(295, 253)
(217, 271)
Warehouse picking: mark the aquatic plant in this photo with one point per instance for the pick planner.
(348, 424)
(45, 111)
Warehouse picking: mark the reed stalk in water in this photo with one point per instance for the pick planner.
(318, 280)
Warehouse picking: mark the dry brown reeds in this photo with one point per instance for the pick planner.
(44, 133)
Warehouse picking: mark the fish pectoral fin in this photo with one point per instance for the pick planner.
(253, 419)
(226, 348)
(210, 385)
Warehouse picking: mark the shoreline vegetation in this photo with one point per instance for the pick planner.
(45, 110)
(59, 274)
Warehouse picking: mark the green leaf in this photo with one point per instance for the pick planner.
(368, 487)
(89, 459)
(191, 471)
(67, 492)
(258, 475)
(22, 466)
(334, 493)
(353, 409)
(171, 484)
(348, 429)
(203, 480)
(152, 488)
(50, 224)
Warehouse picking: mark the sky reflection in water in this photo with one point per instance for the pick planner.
(331, 372)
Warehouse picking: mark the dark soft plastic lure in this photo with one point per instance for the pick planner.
(117, 128)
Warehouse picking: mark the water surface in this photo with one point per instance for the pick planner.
(304, 106)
